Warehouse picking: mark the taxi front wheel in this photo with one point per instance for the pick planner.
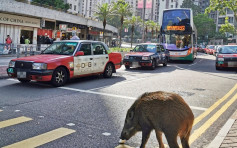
(108, 70)
(59, 77)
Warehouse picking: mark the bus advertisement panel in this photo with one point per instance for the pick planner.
(178, 34)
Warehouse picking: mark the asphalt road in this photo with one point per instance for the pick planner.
(90, 112)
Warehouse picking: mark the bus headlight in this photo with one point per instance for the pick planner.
(220, 59)
(12, 64)
(39, 66)
(146, 58)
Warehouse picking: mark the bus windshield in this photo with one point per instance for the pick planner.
(177, 42)
(176, 21)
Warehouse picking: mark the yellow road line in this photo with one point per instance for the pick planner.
(42, 139)
(204, 114)
(197, 133)
(14, 121)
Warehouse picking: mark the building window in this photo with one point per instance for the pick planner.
(70, 6)
(75, 7)
(231, 19)
(221, 21)
(171, 6)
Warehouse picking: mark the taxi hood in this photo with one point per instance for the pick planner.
(42, 58)
(139, 54)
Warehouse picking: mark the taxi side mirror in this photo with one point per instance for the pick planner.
(79, 53)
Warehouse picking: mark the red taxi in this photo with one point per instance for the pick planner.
(64, 60)
(226, 57)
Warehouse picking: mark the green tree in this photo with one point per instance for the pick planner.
(133, 21)
(205, 26)
(189, 4)
(103, 12)
(153, 26)
(227, 27)
(123, 10)
(221, 5)
(58, 4)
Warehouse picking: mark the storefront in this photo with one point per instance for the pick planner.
(19, 28)
(65, 30)
(46, 34)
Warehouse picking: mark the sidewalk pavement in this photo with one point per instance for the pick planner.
(227, 136)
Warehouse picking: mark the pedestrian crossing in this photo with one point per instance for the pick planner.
(37, 140)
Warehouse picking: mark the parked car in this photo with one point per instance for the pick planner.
(201, 48)
(146, 55)
(209, 49)
(226, 57)
(64, 60)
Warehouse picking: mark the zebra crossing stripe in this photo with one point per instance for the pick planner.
(42, 139)
(1, 110)
(14, 121)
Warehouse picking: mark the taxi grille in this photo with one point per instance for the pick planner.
(134, 58)
(23, 65)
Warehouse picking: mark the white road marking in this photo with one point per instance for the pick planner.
(70, 124)
(106, 134)
(117, 96)
(17, 110)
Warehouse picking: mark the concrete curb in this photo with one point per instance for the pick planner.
(218, 140)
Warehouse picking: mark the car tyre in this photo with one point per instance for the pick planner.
(108, 70)
(153, 66)
(165, 63)
(59, 77)
(127, 66)
(218, 68)
(24, 80)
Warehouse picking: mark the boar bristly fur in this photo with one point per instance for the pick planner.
(164, 112)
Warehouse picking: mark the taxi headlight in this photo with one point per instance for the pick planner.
(220, 59)
(12, 64)
(126, 57)
(39, 66)
(145, 58)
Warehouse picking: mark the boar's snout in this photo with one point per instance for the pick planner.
(124, 135)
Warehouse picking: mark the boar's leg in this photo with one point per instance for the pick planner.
(146, 131)
(172, 139)
(184, 140)
(159, 138)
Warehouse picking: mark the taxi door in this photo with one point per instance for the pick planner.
(84, 64)
(101, 57)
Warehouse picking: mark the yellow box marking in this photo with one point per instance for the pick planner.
(215, 105)
(197, 133)
(14, 121)
(42, 139)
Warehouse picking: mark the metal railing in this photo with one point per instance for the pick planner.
(20, 50)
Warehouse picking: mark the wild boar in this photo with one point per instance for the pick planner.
(164, 112)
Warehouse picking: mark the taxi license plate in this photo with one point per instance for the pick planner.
(21, 74)
(135, 64)
(10, 70)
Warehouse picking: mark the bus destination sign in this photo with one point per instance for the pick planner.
(180, 28)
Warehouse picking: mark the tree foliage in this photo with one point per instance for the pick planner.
(205, 26)
(133, 21)
(189, 4)
(58, 4)
(221, 5)
(123, 10)
(103, 12)
(227, 27)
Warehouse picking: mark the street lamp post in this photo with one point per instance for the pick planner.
(143, 18)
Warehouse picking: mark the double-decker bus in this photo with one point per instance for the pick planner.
(178, 34)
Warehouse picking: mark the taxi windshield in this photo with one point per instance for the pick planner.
(61, 48)
(145, 48)
(229, 50)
